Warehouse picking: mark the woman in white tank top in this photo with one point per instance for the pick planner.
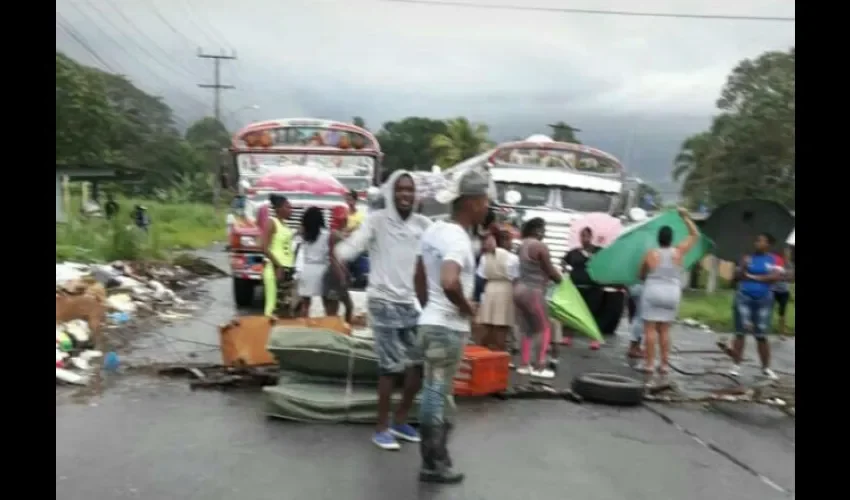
(661, 271)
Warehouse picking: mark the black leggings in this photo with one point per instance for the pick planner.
(781, 300)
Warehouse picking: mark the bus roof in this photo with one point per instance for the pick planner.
(310, 126)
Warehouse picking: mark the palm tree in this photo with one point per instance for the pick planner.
(461, 140)
(696, 165)
(693, 152)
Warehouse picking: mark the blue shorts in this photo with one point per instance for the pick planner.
(394, 332)
(755, 312)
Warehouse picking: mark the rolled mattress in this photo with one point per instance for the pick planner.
(328, 402)
(323, 353)
(325, 377)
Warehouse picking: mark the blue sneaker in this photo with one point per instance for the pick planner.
(405, 432)
(385, 441)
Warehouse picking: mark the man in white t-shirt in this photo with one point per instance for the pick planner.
(445, 278)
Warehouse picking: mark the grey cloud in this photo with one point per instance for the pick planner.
(516, 71)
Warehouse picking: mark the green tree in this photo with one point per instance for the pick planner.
(104, 118)
(460, 141)
(208, 133)
(562, 132)
(86, 123)
(749, 151)
(407, 143)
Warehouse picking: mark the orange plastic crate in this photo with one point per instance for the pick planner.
(482, 372)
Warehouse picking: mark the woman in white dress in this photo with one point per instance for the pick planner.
(318, 264)
(496, 317)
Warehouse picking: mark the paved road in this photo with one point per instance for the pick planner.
(155, 439)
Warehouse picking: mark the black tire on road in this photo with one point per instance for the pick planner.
(243, 292)
(609, 388)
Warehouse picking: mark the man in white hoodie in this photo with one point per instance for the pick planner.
(392, 236)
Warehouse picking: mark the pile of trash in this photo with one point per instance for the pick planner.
(93, 299)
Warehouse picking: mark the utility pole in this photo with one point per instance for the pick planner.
(216, 85)
(217, 88)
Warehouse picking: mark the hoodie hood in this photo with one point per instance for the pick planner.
(388, 192)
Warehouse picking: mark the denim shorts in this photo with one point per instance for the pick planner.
(754, 311)
(394, 333)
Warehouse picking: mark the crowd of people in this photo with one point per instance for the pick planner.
(423, 304)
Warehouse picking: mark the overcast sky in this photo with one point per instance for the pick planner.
(636, 86)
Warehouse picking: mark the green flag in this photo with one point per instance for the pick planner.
(619, 262)
(567, 306)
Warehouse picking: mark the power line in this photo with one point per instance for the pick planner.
(177, 33)
(215, 35)
(132, 57)
(569, 10)
(66, 27)
(172, 66)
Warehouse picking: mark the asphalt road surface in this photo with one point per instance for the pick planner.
(151, 438)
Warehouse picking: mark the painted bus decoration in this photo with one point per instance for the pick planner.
(349, 153)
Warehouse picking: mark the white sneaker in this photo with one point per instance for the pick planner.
(524, 370)
(544, 373)
(770, 374)
(735, 370)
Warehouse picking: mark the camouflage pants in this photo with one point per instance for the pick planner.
(442, 350)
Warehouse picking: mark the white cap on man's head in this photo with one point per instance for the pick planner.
(469, 183)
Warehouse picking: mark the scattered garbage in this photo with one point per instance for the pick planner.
(692, 323)
(70, 377)
(118, 317)
(92, 300)
(111, 362)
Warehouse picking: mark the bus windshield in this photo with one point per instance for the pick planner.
(255, 201)
(355, 183)
(586, 201)
(531, 195)
(254, 165)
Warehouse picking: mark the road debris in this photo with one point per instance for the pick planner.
(96, 305)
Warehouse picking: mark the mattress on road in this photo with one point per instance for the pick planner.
(317, 399)
(324, 353)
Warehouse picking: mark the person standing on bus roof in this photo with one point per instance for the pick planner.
(391, 236)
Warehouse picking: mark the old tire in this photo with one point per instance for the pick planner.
(609, 388)
(243, 292)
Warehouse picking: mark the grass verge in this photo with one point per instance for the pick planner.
(173, 227)
(715, 310)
